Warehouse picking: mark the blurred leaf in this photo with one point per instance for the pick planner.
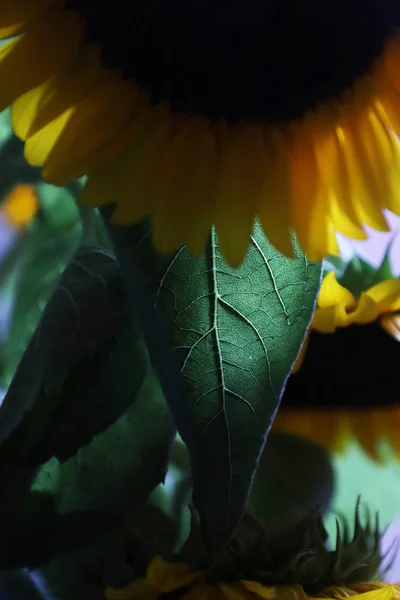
(384, 271)
(236, 333)
(357, 276)
(360, 275)
(67, 505)
(294, 478)
(53, 238)
(82, 368)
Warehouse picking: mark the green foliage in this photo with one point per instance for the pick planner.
(299, 554)
(294, 477)
(80, 445)
(62, 384)
(357, 275)
(53, 238)
(54, 510)
(236, 334)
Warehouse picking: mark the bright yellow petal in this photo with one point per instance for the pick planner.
(386, 295)
(332, 293)
(24, 109)
(336, 186)
(365, 191)
(309, 211)
(39, 145)
(53, 41)
(324, 319)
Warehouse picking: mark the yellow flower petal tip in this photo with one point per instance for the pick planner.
(168, 124)
(20, 206)
(337, 307)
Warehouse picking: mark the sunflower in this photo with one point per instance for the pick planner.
(163, 578)
(213, 114)
(345, 384)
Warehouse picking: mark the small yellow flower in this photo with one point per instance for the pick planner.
(20, 206)
(210, 114)
(163, 577)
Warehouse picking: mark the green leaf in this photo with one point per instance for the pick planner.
(294, 478)
(236, 334)
(53, 239)
(65, 506)
(82, 368)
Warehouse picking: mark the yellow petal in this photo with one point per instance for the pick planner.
(38, 107)
(70, 86)
(242, 157)
(92, 121)
(165, 577)
(136, 191)
(274, 206)
(183, 198)
(336, 186)
(325, 319)
(332, 293)
(24, 109)
(123, 136)
(386, 593)
(39, 145)
(365, 191)
(309, 211)
(279, 592)
(53, 41)
(386, 295)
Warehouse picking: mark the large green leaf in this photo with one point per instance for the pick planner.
(52, 240)
(82, 368)
(64, 506)
(236, 334)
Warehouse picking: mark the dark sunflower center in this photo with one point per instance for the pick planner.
(356, 367)
(243, 60)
